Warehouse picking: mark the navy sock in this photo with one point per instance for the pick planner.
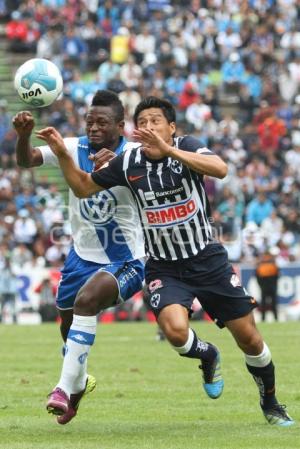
(201, 350)
(265, 380)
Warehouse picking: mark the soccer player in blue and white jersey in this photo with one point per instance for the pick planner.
(108, 241)
(166, 176)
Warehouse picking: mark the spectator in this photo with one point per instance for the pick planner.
(120, 47)
(8, 292)
(188, 96)
(25, 228)
(47, 307)
(259, 208)
(74, 49)
(5, 119)
(130, 98)
(107, 71)
(267, 274)
(26, 197)
(272, 228)
(228, 41)
(182, 51)
(131, 73)
(197, 113)
(233, 73)
(21, 255)
(144, 44)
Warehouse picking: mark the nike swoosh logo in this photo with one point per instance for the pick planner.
(135, 178)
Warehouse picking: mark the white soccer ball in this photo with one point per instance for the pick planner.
(38, 82)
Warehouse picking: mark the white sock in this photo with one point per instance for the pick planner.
(81, 336)
(260, 360)
(188, 344)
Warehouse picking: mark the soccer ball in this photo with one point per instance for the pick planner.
(38, 82)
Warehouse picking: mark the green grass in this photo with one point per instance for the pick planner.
(147, 396)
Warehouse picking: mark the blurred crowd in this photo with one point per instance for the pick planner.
(231, 68)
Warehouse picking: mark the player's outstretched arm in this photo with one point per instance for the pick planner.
(210, 165)
(27, 155)
(80, 182)
(153, 144)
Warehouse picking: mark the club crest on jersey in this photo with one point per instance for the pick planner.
(176, 166)
(171, 214)
(100, 208)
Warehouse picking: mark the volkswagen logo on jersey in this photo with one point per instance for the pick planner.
(100, 208)
(176, 166)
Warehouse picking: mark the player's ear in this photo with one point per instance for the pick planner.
(172, 128)
(121, 126)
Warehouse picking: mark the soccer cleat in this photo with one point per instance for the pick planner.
(58, 402)
(75, 400)
(213, 382)
(278, 416)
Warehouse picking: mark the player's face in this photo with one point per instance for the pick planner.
(102, 129)
(154, 119)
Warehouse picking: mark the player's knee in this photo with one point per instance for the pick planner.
(176, 334)
(252, 343)
(85, 303)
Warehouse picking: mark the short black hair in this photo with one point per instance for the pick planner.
(111, 99)
(155, 102)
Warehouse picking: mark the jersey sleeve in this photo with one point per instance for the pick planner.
(190, 143)
(49, 158)
(112, 174)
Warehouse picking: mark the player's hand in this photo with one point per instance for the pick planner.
(23, 123)
(152, 144)
(101, 157)
(54, 139)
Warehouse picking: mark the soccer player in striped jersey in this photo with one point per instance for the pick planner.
(166, 175)
(108, 241)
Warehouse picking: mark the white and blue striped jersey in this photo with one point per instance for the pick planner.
(105, 227)
(173, 205)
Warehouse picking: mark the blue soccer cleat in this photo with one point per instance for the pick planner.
(213, 382)
(278, 416)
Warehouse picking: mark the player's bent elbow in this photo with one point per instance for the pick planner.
(25, 163)
(22, 164)
(80, 193)
(221, 170)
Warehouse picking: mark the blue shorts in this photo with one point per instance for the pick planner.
(76, 271)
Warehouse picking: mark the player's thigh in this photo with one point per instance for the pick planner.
(99, 292)
(167, 291)
(112, 284)
(74, 275)
(246, 334)
(225, 299)
(128, 276)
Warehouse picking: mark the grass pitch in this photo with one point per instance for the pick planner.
(147, 397)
